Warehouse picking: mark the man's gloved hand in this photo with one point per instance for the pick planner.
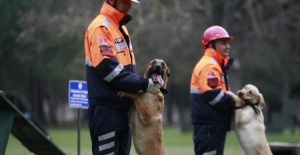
(153, 87)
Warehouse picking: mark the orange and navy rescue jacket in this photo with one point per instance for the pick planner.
(110, 61)
(209, 103)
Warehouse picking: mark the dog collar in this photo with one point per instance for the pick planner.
(164, 91)
(253, 106)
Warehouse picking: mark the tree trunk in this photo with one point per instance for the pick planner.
(36, 101)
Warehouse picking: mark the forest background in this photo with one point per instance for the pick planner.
(41, 49)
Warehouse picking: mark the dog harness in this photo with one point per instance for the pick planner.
(253, 106)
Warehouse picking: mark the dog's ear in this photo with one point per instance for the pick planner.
(147, 72)
(166, 75)
(261, 101)
(168, 72)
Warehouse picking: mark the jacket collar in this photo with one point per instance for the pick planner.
(110, 12)
(218, 57)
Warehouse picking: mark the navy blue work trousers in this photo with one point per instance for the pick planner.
(109, 130)
(208, 139)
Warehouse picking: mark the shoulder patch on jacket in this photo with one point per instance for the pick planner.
(212, 80)
(105, 49)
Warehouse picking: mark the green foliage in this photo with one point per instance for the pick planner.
(33, 46)
(12, 13)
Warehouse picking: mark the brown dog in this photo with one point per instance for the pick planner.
(249, 121)
(146, 116)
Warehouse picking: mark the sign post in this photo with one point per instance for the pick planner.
(78, 98)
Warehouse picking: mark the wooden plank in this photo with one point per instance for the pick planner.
(28, 133)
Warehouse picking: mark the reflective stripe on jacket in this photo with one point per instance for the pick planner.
(110, 61)
(209, 103)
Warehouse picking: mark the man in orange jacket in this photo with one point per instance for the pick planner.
(211, 108)
(110, 67)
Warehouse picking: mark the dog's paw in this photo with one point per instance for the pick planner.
(241, 102)
(238, 102)
(127, 94)
(121, 94)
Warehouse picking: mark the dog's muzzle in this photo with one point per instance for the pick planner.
(157, 75)
(157, 79)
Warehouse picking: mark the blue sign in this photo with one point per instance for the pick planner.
(78, 94)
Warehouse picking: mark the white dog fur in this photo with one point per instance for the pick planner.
(248, 124)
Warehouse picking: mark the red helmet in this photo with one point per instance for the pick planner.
(213, 33)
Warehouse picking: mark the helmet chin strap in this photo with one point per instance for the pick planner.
(214, 44)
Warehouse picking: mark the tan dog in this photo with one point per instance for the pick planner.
(249, 121)
(146, 117)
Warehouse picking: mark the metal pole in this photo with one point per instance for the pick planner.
(78, 131)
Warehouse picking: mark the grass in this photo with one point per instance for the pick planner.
(175, 142)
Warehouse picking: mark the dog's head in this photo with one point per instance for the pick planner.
(159, 72)
(250, 94)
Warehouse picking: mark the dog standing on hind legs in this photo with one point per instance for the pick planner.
(248, 122)
(146, 114)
